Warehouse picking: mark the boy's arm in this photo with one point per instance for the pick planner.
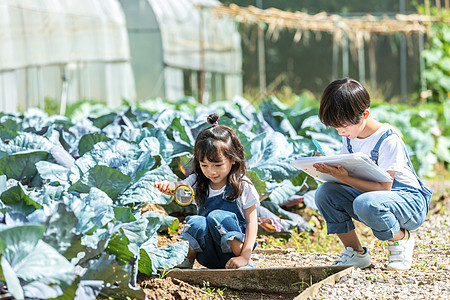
(250, 237)
(341, 174)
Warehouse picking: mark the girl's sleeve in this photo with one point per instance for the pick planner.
(190, 180)
(249, 195)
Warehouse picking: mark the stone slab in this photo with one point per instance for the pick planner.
(266, 280)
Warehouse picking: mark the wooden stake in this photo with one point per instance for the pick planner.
(427, 7)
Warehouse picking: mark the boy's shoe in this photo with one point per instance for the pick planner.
(400, 254)
(350, 257)
(186, 264)
(249, 265)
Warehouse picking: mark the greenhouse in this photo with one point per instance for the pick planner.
(181, 47)
(64, 51)
(212, 149)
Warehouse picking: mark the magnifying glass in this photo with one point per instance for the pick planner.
(183, 194)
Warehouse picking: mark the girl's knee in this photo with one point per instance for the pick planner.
(222, 222)
(195, 223)
(215, 214)
(219, 216)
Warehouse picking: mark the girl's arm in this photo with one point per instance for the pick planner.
(361, 185)
(250, 237)
(166, 186)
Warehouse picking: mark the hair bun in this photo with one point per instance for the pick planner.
(212, 118)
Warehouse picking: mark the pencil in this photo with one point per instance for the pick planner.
(319, 148)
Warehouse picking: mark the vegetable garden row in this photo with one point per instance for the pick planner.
(71, 188)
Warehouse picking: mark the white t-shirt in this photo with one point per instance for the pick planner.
(391, 154)
(248, 198)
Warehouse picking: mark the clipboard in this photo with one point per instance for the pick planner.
(358, 165)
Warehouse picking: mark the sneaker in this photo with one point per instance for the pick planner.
(400, 254)
(350, 257)
(186, 264)
(249, 265)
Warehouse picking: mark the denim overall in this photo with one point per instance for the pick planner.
(218, 221)
(385, 212)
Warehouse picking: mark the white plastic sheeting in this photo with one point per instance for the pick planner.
(50, 44)
(193, 38)
(182, 35)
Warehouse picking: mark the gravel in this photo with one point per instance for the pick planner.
(428, 278)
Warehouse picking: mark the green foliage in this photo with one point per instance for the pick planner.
(21, 166)
(437, 59)
(86, 108)
(25, 256)
(107, 179)
(84, 197)
(162, 274)
(52, 106)
(424, 128)
(212, 292)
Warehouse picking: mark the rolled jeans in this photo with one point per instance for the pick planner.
(208, 237)
(385, 212)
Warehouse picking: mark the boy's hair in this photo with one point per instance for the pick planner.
(211, 143)
(343, 103)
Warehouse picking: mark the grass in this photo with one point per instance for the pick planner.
(164, 272)
(320, 242)
(317, 242)
(212, 292)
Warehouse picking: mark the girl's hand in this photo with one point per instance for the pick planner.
(318, 154)
(337, 172)
(165, 186)
(236, 262)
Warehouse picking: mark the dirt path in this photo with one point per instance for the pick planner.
(429, 278)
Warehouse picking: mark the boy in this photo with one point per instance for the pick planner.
(390, 209)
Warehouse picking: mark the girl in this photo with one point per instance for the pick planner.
(223, 233)
(390, 209)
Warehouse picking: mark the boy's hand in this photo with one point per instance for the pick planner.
(318, 154)
(236, 262)
(338, 172)
(165, 186)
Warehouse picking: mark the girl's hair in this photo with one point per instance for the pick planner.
(212, 143)
(343, 103)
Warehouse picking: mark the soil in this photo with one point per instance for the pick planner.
(171, 288)
(427, 279)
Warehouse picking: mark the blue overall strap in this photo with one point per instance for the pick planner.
(374, 156)
(374, 152)
(425, 191)
(349, 146)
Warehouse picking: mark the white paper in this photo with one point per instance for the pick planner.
(358, 165)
